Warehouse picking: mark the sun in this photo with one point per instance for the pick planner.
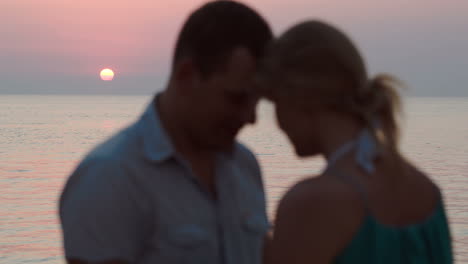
(107, 74)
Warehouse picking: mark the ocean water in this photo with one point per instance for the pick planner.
(43, 137)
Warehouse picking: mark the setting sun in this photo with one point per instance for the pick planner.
(107, 75)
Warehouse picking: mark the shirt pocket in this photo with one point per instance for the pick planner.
(187, 236)
(255, 226)
(186, 243)
(256, 223)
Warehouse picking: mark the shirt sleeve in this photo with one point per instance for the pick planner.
(103, 214)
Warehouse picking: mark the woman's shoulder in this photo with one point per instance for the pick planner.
(311, 213)
(325, 195)
(319, 187)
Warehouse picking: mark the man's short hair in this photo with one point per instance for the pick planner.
(212, 31)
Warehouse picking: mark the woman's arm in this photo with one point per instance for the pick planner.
(268, 240)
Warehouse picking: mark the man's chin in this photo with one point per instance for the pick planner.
(226, 145)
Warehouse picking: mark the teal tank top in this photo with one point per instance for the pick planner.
(374, 243)
(426, 242)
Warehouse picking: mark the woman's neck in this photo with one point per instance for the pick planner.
(340, 133)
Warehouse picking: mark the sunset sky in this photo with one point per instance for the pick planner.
(60, 46)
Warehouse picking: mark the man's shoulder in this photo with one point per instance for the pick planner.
(107, 163)
(97, 171)
(103, 199)
(121, 146)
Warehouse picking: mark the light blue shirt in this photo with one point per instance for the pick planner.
(133, 198)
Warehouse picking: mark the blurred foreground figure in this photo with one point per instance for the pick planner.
(370, 205)
(175, 187)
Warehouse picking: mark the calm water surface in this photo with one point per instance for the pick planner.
(43, 137)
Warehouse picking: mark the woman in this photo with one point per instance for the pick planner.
(370, 205)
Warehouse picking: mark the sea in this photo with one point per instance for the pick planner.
(43, 137)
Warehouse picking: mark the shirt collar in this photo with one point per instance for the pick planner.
(156, 143)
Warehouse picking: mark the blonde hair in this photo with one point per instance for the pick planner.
(314, 49)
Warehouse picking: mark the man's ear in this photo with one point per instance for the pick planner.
(186, 74)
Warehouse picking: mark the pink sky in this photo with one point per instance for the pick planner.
(135, 38)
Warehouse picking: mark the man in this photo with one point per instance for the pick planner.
(175, 187)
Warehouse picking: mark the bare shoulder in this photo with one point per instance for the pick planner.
(321, 192)
(310, 219)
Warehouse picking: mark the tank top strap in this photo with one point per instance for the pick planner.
(365, 153)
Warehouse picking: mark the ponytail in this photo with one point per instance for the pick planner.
(383, 103)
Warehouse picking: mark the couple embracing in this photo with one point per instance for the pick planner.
(176, 186)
